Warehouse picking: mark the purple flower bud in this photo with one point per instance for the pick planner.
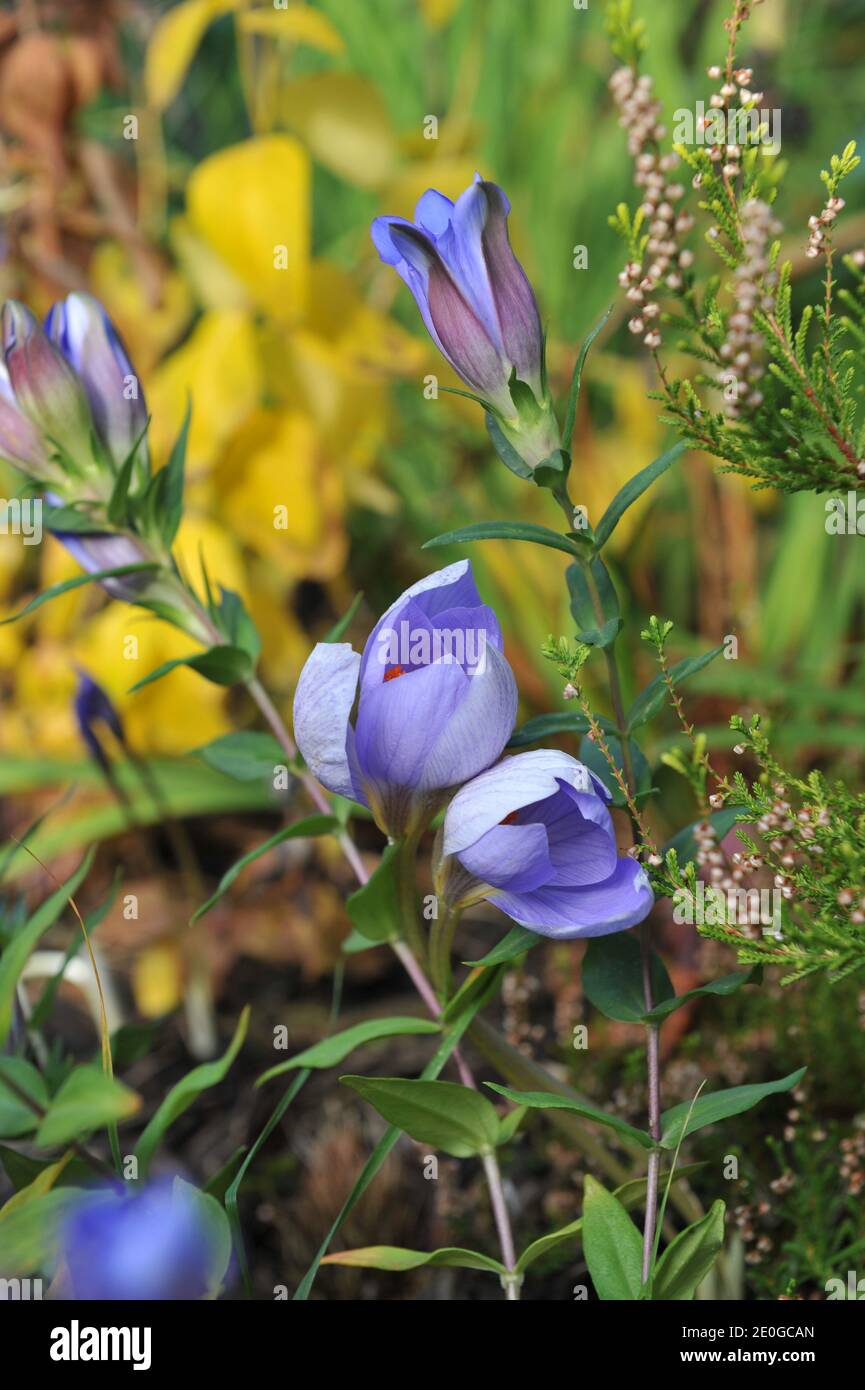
(533, 835)
(437, 702)
(151, 1244)
(45, 388)
(105, 550)
(88, 340)
(473, 294)
(93, 707)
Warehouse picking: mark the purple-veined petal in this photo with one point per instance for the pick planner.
(619, 902)
(478, 730)
(399, 721)
(87, 338)
(515, 303)
(322, 706)
(582, 849)
(513, 783)
(461, 247)
(511, 857)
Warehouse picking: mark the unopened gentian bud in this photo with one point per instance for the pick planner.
(478, 306)
(46, 389)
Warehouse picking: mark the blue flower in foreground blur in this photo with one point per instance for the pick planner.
(533, 835)
(150, 1244)
(477, 304)
(437, 702)
(93, 707)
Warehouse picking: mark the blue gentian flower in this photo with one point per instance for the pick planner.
(151, 1244)
(477, 304)
(436, 702)
(533, 835)
(93, 707)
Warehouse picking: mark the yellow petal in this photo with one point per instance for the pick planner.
(148, 329)
(218, 367)
(345, 125)
(173, 45)
(296, 24)
(449, 176)
(251, 203)
(157, 979)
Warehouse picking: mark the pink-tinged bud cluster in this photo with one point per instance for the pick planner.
(754, 287)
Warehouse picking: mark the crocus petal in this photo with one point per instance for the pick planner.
(86, 337)
(399, 722)
(512, 857)
(453, 585)
(515, 303)
(621, 901)
(513, 783)
(322, 705)
(477, 732)
(582, 848)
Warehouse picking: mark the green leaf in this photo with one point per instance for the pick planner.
(30, 1232)
(17, 952)
(612, 1245)
(505, 531)
(216, 1231)
(235, 624)
(334, 1049)
(247, 756)
(547, 725)
(187, 1090)
(222, 665)
(549, 1100)
(634, 488)
(374, 908)
(165, 498)
(612, 976)
(392, 1257)
(552, 471)
(576, 379)
(432, 1069)
(301, 830)
(439, 1113)
(688, 1259)
(590, 630)
(726, 984)
(517, 941)
(341, 627)
(655, 695)
(630, 1194)
(75, 583)
(720, 1105)
(88, 1099)
(505, 449)
(16, 1117)
(509, 1125)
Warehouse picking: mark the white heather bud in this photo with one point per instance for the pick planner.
(635, 325)
(652, 339)
(714, 72)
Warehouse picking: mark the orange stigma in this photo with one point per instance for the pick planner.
(392, 674)
(510, 819)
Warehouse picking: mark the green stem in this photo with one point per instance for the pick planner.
(441, 946)
(406, 887)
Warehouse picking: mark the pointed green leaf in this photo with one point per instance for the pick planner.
(612, 976)
(75, 583)
(185, 1092)
(726, 984)
(612, 1245)
(688, 1259)
(505, 449)
(720, 1105)
(330, 1051)
(16, 1116)
(517, 941)
(655, 695)
(633, 489)
(88, 1100)
(576, 379)
(549, 1100)
(392, 1257)
(301, 830)
(505, 531)
(374, 908)
(440, 1113)
(223, 665)
(246, 756)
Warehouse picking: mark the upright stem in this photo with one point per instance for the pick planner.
(441, 944)
(652, 1030)
(407, 959)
